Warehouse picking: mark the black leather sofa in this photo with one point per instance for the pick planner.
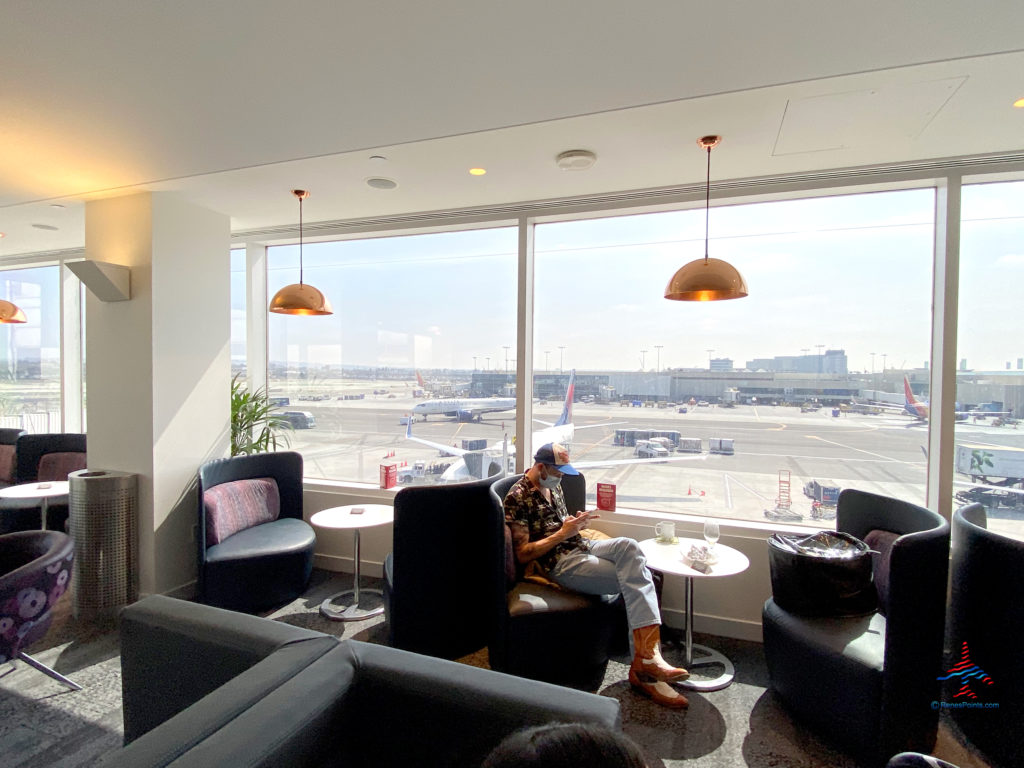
(204, 686)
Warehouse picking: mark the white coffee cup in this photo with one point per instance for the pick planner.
(666, 531)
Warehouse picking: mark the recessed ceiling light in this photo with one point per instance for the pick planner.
(575, 160)
(1019, 103)
(379, 182)
(477, 171)
(47, 227)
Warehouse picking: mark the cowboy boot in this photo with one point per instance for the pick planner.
(659, 692)
(647, 658)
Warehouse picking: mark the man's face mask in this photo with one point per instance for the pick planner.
(549, 479)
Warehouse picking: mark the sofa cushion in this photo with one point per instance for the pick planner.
(240, 504)
(58, 465)
(529, 597)
(881, 541)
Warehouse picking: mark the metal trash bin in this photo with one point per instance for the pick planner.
(102, 520)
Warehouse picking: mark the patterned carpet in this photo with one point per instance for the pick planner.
(44, 724)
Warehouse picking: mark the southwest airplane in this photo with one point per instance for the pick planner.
(919, 409)
(561, 431)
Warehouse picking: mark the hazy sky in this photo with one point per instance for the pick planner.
(850, 272)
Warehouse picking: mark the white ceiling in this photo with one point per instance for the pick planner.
(233, 103)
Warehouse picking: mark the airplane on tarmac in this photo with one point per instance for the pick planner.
(920, 410)
(464, 409)
(561, 431)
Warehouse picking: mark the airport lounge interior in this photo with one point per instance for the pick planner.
(274, 491)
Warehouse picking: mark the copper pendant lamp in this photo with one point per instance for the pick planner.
(706, 279)
(11, 313)
(299, 298)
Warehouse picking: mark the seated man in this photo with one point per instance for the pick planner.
(543, 531)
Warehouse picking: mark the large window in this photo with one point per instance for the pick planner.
(415, 318)
(30, 360)
(238, 312)
(989, 450)
(752, 409)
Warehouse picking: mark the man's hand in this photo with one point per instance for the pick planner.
(574, 524)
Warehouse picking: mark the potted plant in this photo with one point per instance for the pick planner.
(255, 426)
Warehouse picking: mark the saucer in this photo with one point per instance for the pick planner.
(673, 540)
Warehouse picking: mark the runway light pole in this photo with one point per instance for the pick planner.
(709, 351)
(546, 353)
(506, 358)
(561, 359)
(643, 356)
(658, 347)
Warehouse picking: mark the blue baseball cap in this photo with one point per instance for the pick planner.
(557, 456)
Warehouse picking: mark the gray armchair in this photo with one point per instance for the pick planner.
(868, 683)
(531, 617)
(442, 574)
(255, 551)
(984, 631)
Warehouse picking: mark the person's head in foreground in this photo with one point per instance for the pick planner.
(566, 745)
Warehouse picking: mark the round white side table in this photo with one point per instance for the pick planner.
(41, 492)
(354, 517)
(668, 558)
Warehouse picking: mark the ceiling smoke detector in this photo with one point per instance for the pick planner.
(380, 182)
(576, 160)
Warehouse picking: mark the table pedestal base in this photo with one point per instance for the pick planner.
(708, 657)
(352, 612)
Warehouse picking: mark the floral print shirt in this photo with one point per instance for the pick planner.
(527, 507)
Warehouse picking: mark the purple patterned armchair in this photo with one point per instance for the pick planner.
(36, 571)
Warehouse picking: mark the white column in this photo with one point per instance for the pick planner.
(158, 376)
(524, 348)
(942, 387)
(256, 302)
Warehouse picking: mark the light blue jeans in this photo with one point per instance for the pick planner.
(612, 567)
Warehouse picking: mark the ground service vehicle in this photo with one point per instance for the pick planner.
(300, 419)
(649, 449)
(1000, 469)
(690, 445)
(722, 445)
(824, 491)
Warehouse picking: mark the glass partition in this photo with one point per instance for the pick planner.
(421, 332)
(760, 409)
(989, 445)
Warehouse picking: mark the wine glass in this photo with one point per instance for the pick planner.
(711, 532)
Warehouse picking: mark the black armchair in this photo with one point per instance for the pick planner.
(442, 574)
(35, 571)
(42, 458)
(8, 457)
(984, 630)
(532, 618)
(255, 551)
(869, 682)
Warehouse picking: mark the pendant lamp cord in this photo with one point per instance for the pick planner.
(300, 224)
(707, 207)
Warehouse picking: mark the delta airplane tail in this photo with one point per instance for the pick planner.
(570, 392)
(419, 380)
